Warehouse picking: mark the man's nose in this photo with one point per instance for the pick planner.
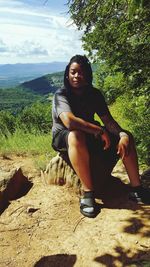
(76, 74)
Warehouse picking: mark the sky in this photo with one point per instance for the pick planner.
(35, 31)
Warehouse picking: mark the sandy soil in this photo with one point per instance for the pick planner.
(44, 228)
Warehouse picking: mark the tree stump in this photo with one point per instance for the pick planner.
(59, 171)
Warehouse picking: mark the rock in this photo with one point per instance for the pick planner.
(5, 177)
(59, 171)
(13, 185)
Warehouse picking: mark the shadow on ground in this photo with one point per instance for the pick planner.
(58, 260)
(126, 258)
(115, 195)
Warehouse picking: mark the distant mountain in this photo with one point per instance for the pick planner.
(40, 89)
(14, 74)
(46, 84)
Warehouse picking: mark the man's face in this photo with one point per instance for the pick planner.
(76, 76)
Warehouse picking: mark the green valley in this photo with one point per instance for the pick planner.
(16, 98)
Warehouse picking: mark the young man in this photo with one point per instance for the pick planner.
(75, 130)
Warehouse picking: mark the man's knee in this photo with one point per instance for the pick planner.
(76, 138)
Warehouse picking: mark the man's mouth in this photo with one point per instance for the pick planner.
(76, 81)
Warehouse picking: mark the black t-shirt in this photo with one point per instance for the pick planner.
(83, 106)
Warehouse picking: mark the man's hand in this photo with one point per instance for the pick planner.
(105, 139)
(123, 147)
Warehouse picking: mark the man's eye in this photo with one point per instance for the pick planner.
(74, 72)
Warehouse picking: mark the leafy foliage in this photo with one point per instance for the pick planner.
(112, 83)
(7, 123)
(28, 131)
(133, 114)
(15, 99)
(137, 112)
(36, 118)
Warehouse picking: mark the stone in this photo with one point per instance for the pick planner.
(59, 171)
(13, 185)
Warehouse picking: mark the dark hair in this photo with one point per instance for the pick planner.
(85, 64)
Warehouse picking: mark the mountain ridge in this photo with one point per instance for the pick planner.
(12, 75)
(24, 94)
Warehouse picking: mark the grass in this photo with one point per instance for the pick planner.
(37, 146)
(21, 143)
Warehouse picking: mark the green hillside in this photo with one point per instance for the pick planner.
(16, 98)
(45, 84)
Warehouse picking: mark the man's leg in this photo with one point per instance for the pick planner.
(138, 193)
(131, 164)
(79, 157)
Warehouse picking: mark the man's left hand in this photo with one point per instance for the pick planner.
(123, 147)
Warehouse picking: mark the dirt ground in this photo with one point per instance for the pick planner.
(44, 228)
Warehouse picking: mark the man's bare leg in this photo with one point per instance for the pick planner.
(131, 164)
(79, 157)
(80, 160)
(138, 193)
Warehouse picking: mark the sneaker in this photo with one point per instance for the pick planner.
(140, 194)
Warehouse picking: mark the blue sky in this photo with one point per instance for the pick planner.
(34, 31)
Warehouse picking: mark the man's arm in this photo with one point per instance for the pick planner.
(111, 125)
(75, 123)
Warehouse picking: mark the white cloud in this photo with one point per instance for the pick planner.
(32, 35)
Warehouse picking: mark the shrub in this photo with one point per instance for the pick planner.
(7, 123)
(133, 114)
(36, 118)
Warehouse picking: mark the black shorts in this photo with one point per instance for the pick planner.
(60, 141)
(60, 144)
